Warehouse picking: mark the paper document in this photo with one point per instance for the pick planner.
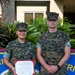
(24, 68)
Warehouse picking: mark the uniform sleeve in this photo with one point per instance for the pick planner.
(6, 55)
(67, 38)
(38, 45)
(68, 44)
(7, 52)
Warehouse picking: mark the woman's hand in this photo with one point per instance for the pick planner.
(14, 71)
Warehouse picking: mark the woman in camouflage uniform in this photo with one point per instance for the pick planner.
(19, 49)
(53, 48)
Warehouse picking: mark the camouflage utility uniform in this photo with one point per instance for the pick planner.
(20, 51)
(52, 45)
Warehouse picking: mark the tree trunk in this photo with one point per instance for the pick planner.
(4, 6)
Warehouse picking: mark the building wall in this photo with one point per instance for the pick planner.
(54, 7)
(17, 13)
(21, 10)
(57, 6)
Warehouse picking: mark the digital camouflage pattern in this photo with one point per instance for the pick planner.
(52, 45)
(20, 51)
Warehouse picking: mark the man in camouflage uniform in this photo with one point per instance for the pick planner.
(19, 49)
(53, 48)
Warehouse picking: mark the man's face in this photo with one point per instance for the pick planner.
(52, 23)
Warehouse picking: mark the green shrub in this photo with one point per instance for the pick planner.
(7, 34)
(12, 31)
(34, 30)
(4, 33)
(65, 26)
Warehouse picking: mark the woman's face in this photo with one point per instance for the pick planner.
(21, 34)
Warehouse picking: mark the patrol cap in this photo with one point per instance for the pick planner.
(52, 16)
(21, 26)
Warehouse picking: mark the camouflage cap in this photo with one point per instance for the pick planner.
(21, 26)
(52, 16)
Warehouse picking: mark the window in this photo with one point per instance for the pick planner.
(30, 16)
(37, 15)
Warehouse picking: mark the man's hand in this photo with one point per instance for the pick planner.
(53, 68)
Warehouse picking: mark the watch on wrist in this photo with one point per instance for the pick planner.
(58, 67)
